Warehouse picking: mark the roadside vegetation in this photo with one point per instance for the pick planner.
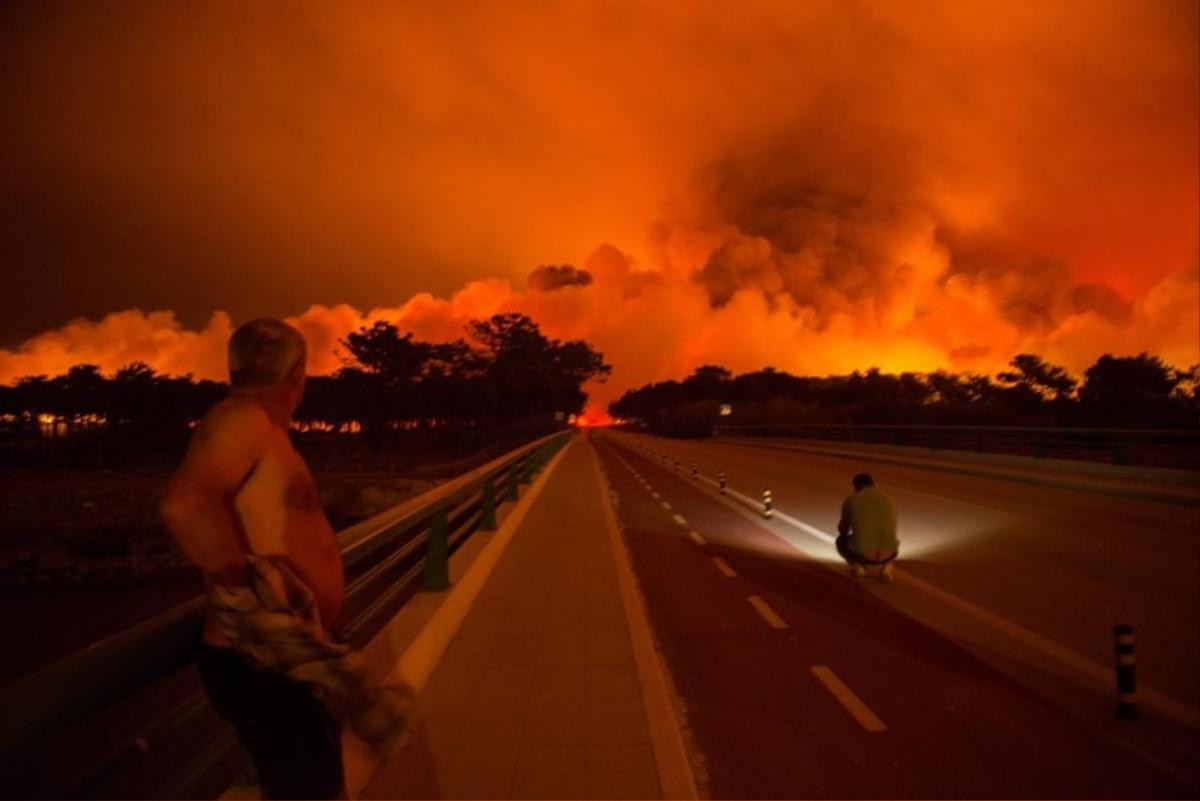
(1121, 392)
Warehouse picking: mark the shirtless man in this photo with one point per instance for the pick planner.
(242, 486)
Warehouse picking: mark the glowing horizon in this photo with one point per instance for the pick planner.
(946, 186)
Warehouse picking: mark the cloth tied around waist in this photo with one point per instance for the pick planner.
(276, 623)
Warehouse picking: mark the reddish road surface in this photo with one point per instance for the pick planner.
(796, 680)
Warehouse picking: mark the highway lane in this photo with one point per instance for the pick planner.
(1065, 565)
(797, 683)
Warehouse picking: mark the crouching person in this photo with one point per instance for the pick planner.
(867, 530)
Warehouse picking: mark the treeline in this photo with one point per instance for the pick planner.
(504, 374)
(1115, 392)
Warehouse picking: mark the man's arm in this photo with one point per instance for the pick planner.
(197, 504)
(844, 523)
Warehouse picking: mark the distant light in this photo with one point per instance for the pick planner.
(726, 410)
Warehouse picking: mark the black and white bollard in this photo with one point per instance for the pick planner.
(768, 506)
(721, 481)
(1126, 672)
(695, 472)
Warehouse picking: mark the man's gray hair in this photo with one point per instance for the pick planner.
(262, 352)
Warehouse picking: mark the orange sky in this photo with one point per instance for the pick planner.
(817, 186)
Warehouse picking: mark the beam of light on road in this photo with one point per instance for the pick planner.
(917, 540)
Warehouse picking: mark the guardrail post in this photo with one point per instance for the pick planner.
(513, 479)
(1126, 672)
(695, 471)
(437, 557)
(526, 471)
(487, 514)
(768, 505)
(979, 443)
(721, 479)
(1039, 446)
(1118, 452)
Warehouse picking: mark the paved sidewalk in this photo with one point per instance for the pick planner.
(537, 695)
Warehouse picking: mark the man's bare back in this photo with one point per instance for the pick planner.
(243, 482)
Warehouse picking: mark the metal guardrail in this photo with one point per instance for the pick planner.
(1151, 447)
(385, 555)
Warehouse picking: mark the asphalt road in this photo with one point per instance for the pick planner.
(980, 673)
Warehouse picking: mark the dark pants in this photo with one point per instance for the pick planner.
(295, 744)
(853, 557)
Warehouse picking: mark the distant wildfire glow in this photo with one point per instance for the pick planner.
(818, 187)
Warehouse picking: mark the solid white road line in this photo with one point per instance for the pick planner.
(848, 699)
(695, 535)
(773, 620)
(723, 567)
(680, 520)
(778, 515)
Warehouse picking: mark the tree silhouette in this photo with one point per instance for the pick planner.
(538, 375)
(1133, 390)
(1032, 380)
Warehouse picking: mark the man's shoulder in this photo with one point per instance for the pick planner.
(234, 417)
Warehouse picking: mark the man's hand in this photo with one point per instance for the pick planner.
(197, 504)
(844, 523)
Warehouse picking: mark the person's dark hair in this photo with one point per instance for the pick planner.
(262, 352)
(863, 480)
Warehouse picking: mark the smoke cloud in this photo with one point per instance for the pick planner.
(818, 187)
(550, 277)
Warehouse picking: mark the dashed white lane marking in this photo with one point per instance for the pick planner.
(695, 535)
(854, 705)
(773, 620)
(655, 495)
(723, 567)
(666, 506)
(681, 520)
